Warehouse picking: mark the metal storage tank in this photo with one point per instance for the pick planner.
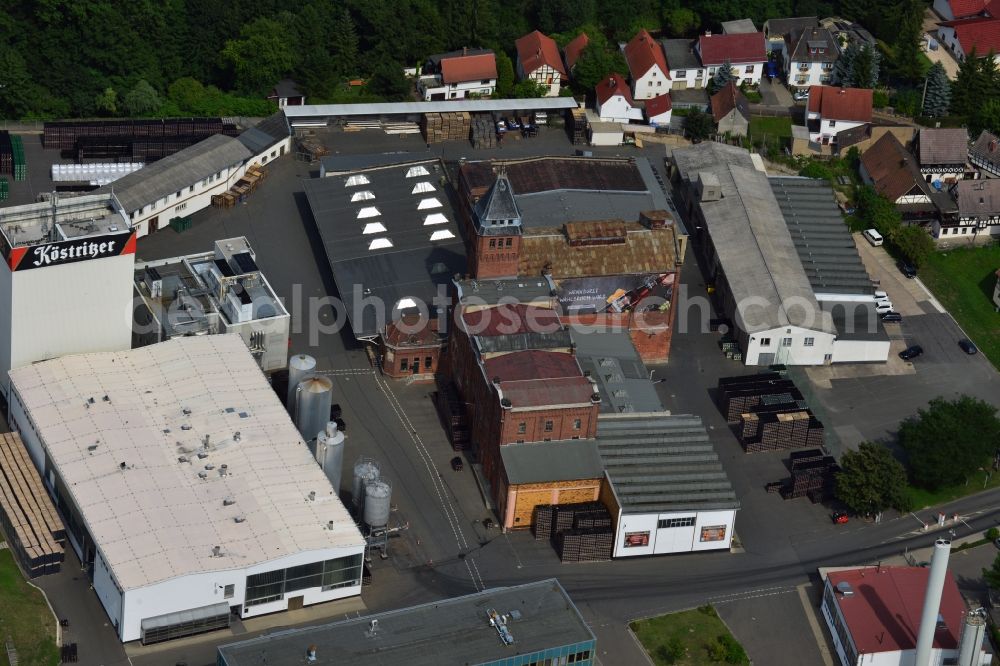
(330, 453)
(365, 470)
(313, 398)
(378, 494)
(299, 367)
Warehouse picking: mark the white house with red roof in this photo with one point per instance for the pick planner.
(647, 65)
(746, 53)
(573, 50)
(458, 74)
(538, 59)
(873, 614)
(950, 10)
(659, 109)
(832, 110)
(614, 100)
(981, 33)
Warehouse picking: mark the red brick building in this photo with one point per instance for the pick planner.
(410, 348)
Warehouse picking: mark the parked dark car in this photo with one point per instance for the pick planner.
(456, 464)
(908, 269)
(968, 346)
(891, 317)
(911, 352)
(335, 411)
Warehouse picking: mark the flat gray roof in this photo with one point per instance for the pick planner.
(824, 243)
(334, 165)
(450, 631)
(620, 374)
(177, 172)
(563, 460)
(856, 321)
(320, 111)
(660, 463)
(520, 289)
(751, 240)
(680, 54)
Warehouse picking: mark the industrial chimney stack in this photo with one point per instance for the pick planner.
(932, 601)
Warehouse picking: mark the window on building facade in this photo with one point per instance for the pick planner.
(749, 69)
(680, 74)
(833, 123)
(228, 591)
(510, 242)
(665, 523)
(522, 428)
(493, 242)
(428, 362)
(548, 426)
(765, 342)
(577, 423)
(404, 364)
(786, 342)
(272, 585)
(808, 342)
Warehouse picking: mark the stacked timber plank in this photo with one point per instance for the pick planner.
(243, 188)
(578, 127)
(34, 531)
(446, 126)
(579, 532)
(483, 133)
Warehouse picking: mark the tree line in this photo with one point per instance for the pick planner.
(178, 57)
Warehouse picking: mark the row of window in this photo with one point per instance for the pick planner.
(499, 242)
(273, 585)
(955, 230)
(522, 427)
(787, 342)
(405, 364)
(664, 523)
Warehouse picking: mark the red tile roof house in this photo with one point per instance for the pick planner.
(647, 65)
(832, 110)
(950, 10)
(731, 110)
(873, 615)
(538, 59)
(659, 109)
(746, 53)
(614, 100)
(574, 50)
(458, 74)
(979, 33)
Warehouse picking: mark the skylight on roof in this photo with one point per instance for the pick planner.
(405, 303)
(356, 179)
(435, 218)
(373, 228)
(363, 195)
(368, 211)
(442, 234)
(430, 202)
(415, 171)
(379, 244)
(422, 188)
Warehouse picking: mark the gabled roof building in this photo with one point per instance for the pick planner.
(745, 52)
(943, 153)
(538, 60)
(647, 66)
(832, 110)
(731, 110)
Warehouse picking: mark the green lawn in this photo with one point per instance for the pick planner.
(780, 127)
(926, 498)
(699, 631)
(963, 280)
(25, 618)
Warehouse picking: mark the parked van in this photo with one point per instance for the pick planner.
(873, 237)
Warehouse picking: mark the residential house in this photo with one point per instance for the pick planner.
(978, 219)
(575, 49)
(943, 154)
(685, 67)
(731, 110)
(745, 53)
(980, 33)
(847, 32)
(832, 110)
(985, 153)
(778, 31)
(538, 59)
(893, 172)
(659, 110)
(614, 100)
(286, 93)
(738, 27)
(950, 10)
(458, 74)
(647, 65)
(812, 53)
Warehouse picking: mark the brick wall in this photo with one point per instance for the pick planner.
(650, 332)
(490, 261)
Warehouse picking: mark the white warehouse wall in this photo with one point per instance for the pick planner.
(673, 539)
(797, 354)
(860, 351)
(202, 589)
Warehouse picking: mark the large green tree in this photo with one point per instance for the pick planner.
(723, 75)
(260, 57)
(907, 59)
(858, 66)
(594, 65)
(505, 75)
(871, 480)
(937, 92)
(915, 244)
(388, 81)
(992, 575)
(698, 125)
(977, 82)
(877, 212)
(950, 440)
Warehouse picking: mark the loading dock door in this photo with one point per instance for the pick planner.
(185, 623)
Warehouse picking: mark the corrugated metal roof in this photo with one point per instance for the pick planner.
(622, 378)
(663, 463)
(177, 172)
(320, 111)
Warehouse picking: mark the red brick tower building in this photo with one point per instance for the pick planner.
(496, 222)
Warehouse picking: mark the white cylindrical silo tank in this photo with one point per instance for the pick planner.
(932, 602)
(970, 646)
(365, 470)
(313, 398)
(300, 366)
(330, 453)
(378, 494)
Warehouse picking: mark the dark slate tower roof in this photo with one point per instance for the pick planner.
(496, 213)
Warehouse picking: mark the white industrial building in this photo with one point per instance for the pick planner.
(785, 300)
(665, 487)
(187, 491)
(65, 284)
(221, 291)
(185, 182)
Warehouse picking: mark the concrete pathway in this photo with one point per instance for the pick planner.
(942, 54)
(774, 93)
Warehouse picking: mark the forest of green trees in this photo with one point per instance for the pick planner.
(206, 57)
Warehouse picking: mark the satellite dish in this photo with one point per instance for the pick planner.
(937, 185)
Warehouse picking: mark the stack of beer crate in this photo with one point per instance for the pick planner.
(578, 127)
(446, 126)
(585, 545)
(483, 133)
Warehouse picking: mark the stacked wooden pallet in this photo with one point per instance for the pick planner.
(483, 133)
(550, 521)
(543, 522)
(446, 126)
(585, 545)
(578, 127)
(787, 430)
(748, 428)
(20, 165)
(452, 414)
(313, 148)
(4, 189)
(34, 530)
(813, 475)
